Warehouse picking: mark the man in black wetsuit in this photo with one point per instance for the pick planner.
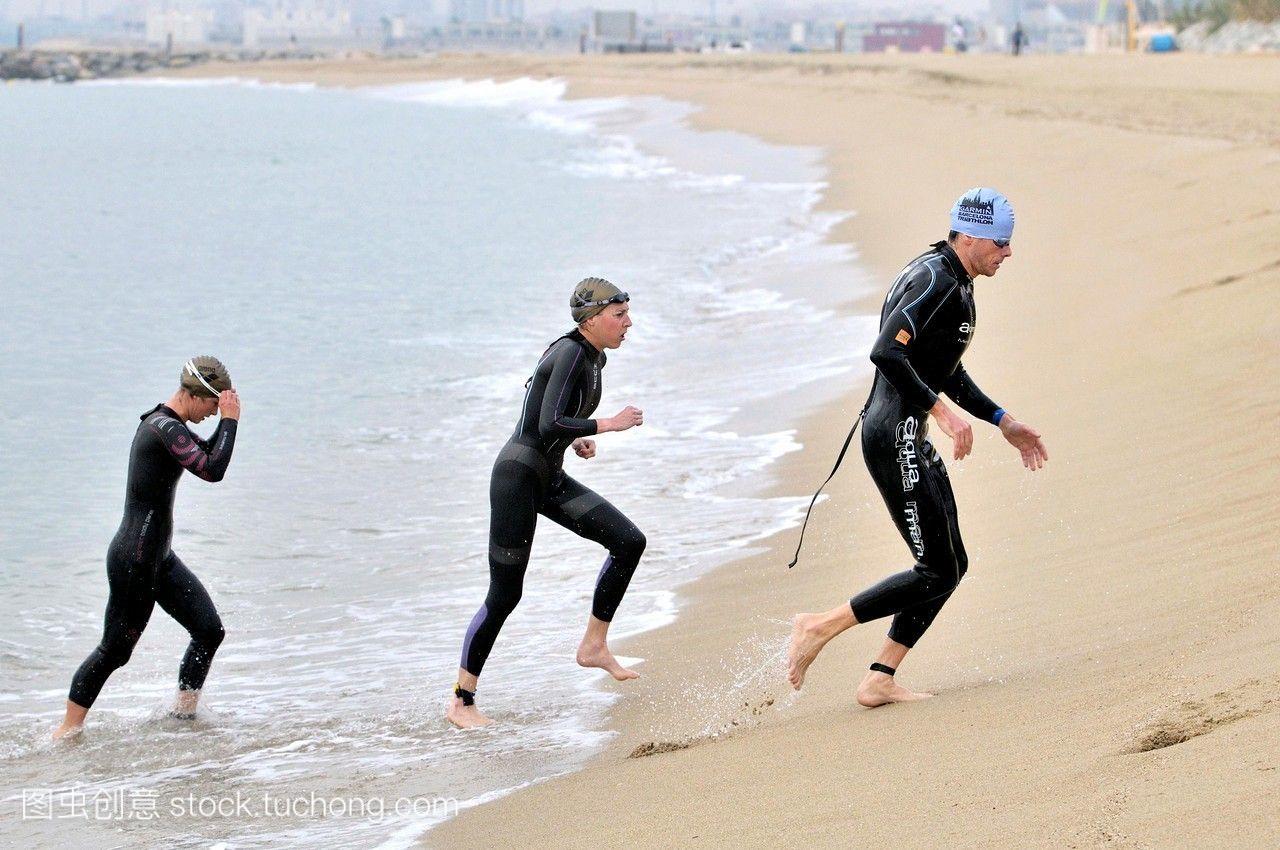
(528, 479)
(926, 325)
(141, 568)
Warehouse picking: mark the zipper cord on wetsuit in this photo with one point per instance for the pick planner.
(569, 335)
(839, 460)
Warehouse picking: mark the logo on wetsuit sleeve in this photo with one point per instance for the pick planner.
(903, 337)
(966, 331)
(905, 442)
(912, 515)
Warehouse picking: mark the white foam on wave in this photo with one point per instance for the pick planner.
(525, 93)
(543, 104)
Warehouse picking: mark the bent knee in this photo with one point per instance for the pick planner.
(942, 577)
(501, 601)
(115, 655)
(632, 543)
(211, 636)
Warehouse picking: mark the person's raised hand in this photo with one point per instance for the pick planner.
(629, 417)
(229, 404)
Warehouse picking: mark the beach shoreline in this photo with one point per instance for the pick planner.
(1107, 672)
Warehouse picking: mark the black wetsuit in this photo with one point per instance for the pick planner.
(528, 480)
(926, 324)
(141, 568)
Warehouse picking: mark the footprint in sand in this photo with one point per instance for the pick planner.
(1200, 717)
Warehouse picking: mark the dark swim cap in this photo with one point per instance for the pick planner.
(592, 295)
(205, 376)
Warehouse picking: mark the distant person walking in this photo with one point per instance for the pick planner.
(1019, 39)
(926, 325)
(141, 568)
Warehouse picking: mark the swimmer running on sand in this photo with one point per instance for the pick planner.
(528, 479)
(926, 325)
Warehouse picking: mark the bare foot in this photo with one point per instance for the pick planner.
(598, 655)
(184, 705)
(465, 716)
(880, 689)
(808, 636)
(67, 731)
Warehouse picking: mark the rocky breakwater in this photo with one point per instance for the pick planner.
(70, 65)
(88, 64)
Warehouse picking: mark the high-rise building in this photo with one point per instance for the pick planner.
(296, 23)
(486, 11)
(181, 23)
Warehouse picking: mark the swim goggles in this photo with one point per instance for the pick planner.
(580, 303)
(191, 367)
(1001, 243)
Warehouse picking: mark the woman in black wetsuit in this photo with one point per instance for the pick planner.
(528, 480)
(141, 568)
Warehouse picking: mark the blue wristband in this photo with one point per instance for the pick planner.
(997, 416)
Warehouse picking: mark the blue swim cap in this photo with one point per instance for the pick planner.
(984, 213)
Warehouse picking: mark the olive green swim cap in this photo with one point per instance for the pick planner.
(592, 295)
(205, 376)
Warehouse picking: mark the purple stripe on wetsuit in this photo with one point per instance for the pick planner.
(604, 568)
(476, 622)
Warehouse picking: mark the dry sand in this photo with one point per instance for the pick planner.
(1109, 672)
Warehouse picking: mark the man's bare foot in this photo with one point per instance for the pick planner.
(465, 716)
(880, 689)
(598, 655)
(809, 634)
(67, 731)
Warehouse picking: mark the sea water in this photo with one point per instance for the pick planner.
(380, 269)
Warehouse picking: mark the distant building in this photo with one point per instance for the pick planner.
(181, 25)
(486, 11)
(905, 36)
(69, 10)
(300, 23)
(394, 29)
(614, 27)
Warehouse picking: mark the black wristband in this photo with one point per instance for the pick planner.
(883, 668)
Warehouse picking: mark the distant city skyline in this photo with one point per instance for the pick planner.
(84, 10)
(800, 8)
